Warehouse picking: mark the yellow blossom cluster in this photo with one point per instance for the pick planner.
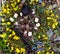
(21, 50)
(52, 19)
(42, 52)
(9, 7)
(18, 50)
(3, 35)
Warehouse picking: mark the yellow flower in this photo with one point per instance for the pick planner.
(3, 23)
(3, 6)
(7, 5)
(0, 13)
(43, 50)
(51, 11)
(4, 10)
(12, 4)
(3, 20)
(39, 37)
(16, 38)
(45, 38)
(57, 16)
(53, 26)
(54, 20)
(8, 44)
(10, 30)
(47, 52)
(49, 18)
(18, 0)
(8, 23)
(39, 52)
(5, 40)
(43, 4)
(7, 12)
(36, 0)
(17, 50)
(13, 33)
(56, 23)
(49, 47)
(46, 12)
(16, 8)
(12, 48)
(52, 52)
(43, 35)
(10, 35)
(48, 23)
(8, 9)
(15, 3)
(52, 15)
(22, 50)
(32, 0)
(7, 29)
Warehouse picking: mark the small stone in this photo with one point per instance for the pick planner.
(21, 14)
(25, 17)
(33, 9)
(38, 24)
(21, 19)
(36, 19)
(25, 32)
(33, 12)
(15, 15)
(11, 19)
(54, 5)
(16, 23)
(29, 33)
(35, 28)
(59, 8)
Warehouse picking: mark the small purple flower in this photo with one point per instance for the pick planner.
(40, 49)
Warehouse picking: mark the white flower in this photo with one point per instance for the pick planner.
(16, 23)
(15, 15)
(29, 33)
(38, 24)
(36, 19)
(33, 12)
(21, 14)
(11, 19)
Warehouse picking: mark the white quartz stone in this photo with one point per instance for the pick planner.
(36, 19)
(33, 12)
(16, 23)
(54, 5)
(29, 33)
(59, 8)
(11, 19)
(15, 15)
(33, 9)
(21, 14)
(38, 24)
(25, 32)
(35, 28)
